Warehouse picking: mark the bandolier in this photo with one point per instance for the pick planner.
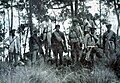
(75, 41)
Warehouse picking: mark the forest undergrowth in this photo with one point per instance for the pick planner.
(46, 73)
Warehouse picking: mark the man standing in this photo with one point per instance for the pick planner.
(91, 45)
(47, 31)
(58, 43)
(109, 41)
(75, 40)
(14, 47)
(34, 46)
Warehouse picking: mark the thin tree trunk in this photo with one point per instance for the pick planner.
(11, 15)
(30, 17)
(100, 24)
(83, 12)
(4, 31)
(72, 10)
(8, 18)
(118, 18)
(76, 7)
(20, 32)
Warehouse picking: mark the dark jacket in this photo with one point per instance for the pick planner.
(54, 39)
(106, 38)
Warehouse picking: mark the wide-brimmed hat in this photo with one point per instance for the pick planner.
(57, 26)
(108, 25)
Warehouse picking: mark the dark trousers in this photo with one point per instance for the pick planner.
(75, 51)
(96, 52)
(47, 50)
(56, 54)
(13, 57)
(60, 54)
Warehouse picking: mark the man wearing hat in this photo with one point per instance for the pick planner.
(35, 46)
(47, 31)
(14, 47)
(91, 45)
(75, 40)
(109, 41)
(58, 44)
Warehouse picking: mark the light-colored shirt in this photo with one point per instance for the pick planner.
(47, 31)
(46, 26)
(14, 43)
(76, 35)
(90, 41)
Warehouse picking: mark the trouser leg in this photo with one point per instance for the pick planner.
(34, 56)
(72, 56)
(92, 53)
(49, 44)
(56, 58)
(49, 55)
(77, 54)
(10, 57)
(16, 58)
(61, 57)
(77, 57)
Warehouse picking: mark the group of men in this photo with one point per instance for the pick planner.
(55, 41)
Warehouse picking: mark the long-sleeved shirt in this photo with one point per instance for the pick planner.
(47, 31)
(76, 34)
(54, 39)
(90, 40)
(109, 36)
(46, 27)
(13, 42)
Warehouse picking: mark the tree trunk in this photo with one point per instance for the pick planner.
(118, 18)
(20, 32)
(30, 17)
(11, 15)
(72, 10)
(76, 7)
(8, 18)
(100, 25)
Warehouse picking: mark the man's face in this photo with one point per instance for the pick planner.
(74, 23)
(92, 31)
(57, 28)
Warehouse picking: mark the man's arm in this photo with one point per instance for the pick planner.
(63, 36)
(5, 40)
(115, 39)
(52, 38)
(85, 40)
